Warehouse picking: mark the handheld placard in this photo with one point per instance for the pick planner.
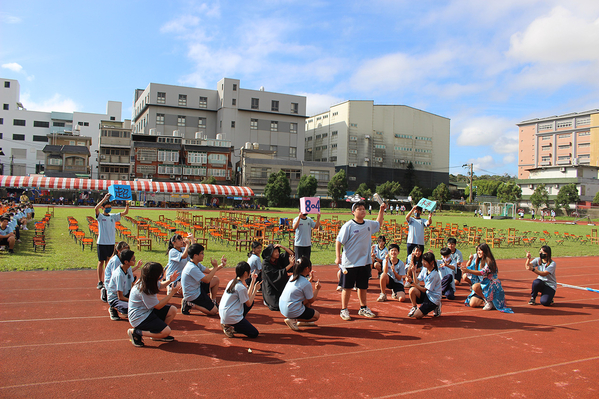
(378, 198)
(310, 205)
(120, 192)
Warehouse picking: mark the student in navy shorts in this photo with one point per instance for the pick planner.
(198, 282)
(147, 315)
(298, 296)
(106, 233)
(428, 296)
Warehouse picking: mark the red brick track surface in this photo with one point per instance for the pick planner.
(57, 340)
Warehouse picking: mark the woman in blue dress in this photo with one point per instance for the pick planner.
(487, 290)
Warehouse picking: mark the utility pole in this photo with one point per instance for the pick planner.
(469, 165)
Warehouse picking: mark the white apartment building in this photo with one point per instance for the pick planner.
(273, 120)
(24, 133)
(376, 143)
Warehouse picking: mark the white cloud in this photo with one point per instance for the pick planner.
(509, 159)
(10, 19)
(484, 164)
(13, 66)
(56, 103)
(483, 130)
(317, 103)
(180, 25)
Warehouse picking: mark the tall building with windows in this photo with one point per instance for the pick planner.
(560, 150)
(274, 121)
(376, 143)
(114, 154)
(24, 134)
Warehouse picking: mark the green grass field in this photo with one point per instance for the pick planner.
(62, 252)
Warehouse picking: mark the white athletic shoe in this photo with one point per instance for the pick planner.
(382, 298)
(339, 288)
(306, 324)
(437, 311)
(412, 311)
(394, 295)
(366, 312)
(345, 314)
(489, 306)
(292, 323)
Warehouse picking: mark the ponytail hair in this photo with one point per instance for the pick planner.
(241, 269)
(302, 264)
(255, 245)
(119, 247)
(430, 258)
(171, 242)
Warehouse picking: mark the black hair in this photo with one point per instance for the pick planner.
(126, 255)
(241, 269)
(547, 250)
(119, 247)
(357, 204)
(394, 245)
(171, 242)
(418, 209)
(445, 251)
(195, 249)
(148, 279)
(452, 240)
(381, 237)
(302, 264)
(430, 258)
(417, 261)
(486, 254)
(254, 245)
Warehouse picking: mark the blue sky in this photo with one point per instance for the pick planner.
(486, 65)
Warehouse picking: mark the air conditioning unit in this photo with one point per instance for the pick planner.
(176, 133)
(185, 177)
(103, 177)
(562, 170)
(366, 159)
(152, 132)
(102, 156)
(367, 136)
(172, 176)
(178, 179)
(124, 177)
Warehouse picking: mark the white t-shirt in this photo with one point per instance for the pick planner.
(294, 294)
(140, 306)
(175, 263)
(356, 238)
(416, 231)
(549, 279)
(191, 277)
(432, 283)
(111, 266)
(399, 268)
(119, 281)
(106, 229)
(231, 305)
(379, 253)
(255, 264)
(303, 233)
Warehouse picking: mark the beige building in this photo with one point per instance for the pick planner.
(376, 143)
(114, 154)
(67, 155)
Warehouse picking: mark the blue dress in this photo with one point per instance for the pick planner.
(474, 279)
(492, 290)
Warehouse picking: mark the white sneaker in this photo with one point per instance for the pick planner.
(407, 284)
(489, 306)
(345, 314)
(437, 311)
(339, 288)
(366, 312)
(412, 311)
(305, 324)
(394, 295)
(382, 298)
(292, 323)
(355, 288)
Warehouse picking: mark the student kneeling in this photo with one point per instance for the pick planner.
(298, 295)
(119, 286)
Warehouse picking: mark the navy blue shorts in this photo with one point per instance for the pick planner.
(104, 252)
(356, 276)
(427, 305)
(307, 315)
(395, 286)
(154, 323)
(203, 299)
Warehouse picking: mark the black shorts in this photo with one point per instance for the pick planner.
(203, 299)
(3, 241)
(104, 251)
(356, 276)
(395, 286)
(307, 315)
(427, 305)
(302, 251)
(154, 323)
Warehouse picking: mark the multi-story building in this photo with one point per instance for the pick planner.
(255, 166)
(571, 139)
(114, 154)
(560, 150)
(24, 133)
(273, 120)
(376, 143)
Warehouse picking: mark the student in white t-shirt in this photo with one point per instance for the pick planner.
(112, 265)
(378, 254)
(120, 283)
(298, 296)
(255, 262)
(393, 274)
(200, 285)
(429, 295)
(303, 226)
(545, 283)
(236, 302)
(416, 227)
(178, 257)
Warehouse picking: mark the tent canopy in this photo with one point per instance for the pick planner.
(63, 183)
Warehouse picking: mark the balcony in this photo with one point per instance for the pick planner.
(116, 159)
(76, 168)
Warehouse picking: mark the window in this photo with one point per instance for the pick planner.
(545, 138)
(161, 98)
(202, 122)
(352, 165)
(160, 119)
(55, 161)
(43, 139)
(334, 133)
(352, 178)
(309, 138)
(563, 158)
(354, 152)
(293, 127)
(19, 153)
(233, 101)
(424, 138)
(255, 103)
(87, 123)
(563, 136)
(335, 113)
(5, 107)
(274, 126)
(7, 84)
(217, 172)
(546, 159)
(324, 147)
(169, 170)
(168, 156)
(353, 138)
(564, 146)
(334, 145)
(333, 159)
(58, 124)
(546, 148)
(273, 148)
(585, 156)
(180, 120)
(320, 175)
(325, 135)
(581, 134)
(1, 121)
(217, 159)
(318, 136)
(402, 136)
(71, 142)
(232, 123)
(197, 157)
(274, 106)
(294, 108)
(41, 124)
(564, 124)
(1, 135)
(353, 125)
(19, 137)
(18, 122)
(292, 152)
(234, 86)
(584, 145)
(203, 102)
(379, 146)
(194, 170)
(254, 124)
(182, 100)
(379, 133)
(583, 121)
(546, 126)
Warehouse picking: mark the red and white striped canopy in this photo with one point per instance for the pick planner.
(56, 183)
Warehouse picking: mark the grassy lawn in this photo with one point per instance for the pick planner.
(62, 252)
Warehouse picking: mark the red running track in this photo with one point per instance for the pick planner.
(57, 341)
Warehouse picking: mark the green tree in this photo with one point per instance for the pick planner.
(307, 186)
(416, 195)
(487, 187)
(209, 180)
(364, 190)
(278, 189)
(410, 176)
(540, 196)
(467, 192)
(389, 189)
(567, 195)
(596, 199)
(509, 192)
(441, 193)
(337, 186)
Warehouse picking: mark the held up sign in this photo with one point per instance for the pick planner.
(120, 192)
(310, 205)
(427, 205)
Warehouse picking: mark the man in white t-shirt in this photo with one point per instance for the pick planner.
(106, 233)
(303, 226)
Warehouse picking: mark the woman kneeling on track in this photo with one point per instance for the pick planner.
(298, 295)
(545, 283)
(237, 301)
